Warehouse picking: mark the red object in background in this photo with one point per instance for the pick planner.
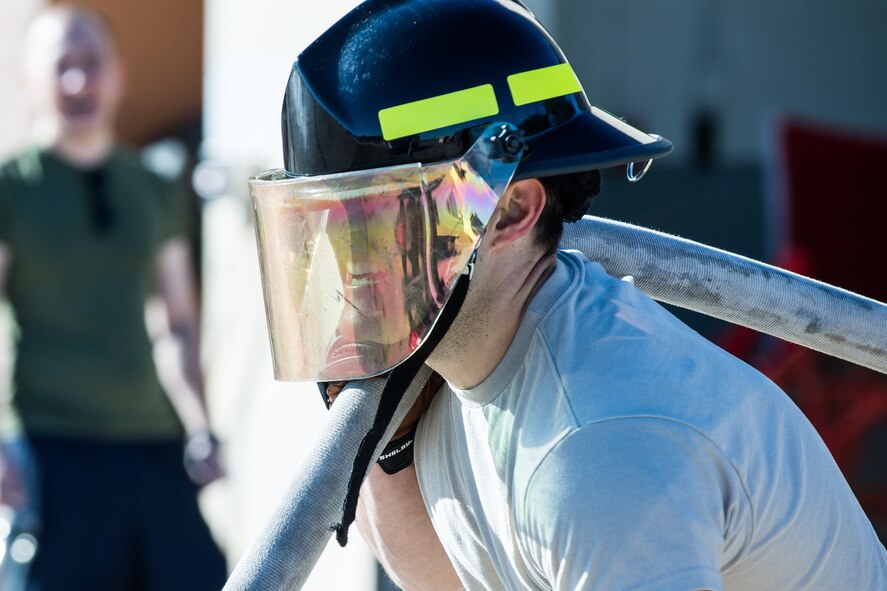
(836, 203)
(834, 209)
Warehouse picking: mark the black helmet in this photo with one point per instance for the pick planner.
(474, 91)
(402, 81)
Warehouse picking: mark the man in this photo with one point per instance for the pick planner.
(585, 438)
(86, 233)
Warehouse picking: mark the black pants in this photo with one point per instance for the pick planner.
(120, 517)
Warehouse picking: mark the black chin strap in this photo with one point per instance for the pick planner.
(396, 386)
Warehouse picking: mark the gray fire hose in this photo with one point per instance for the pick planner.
(285, 553)
(737, 289)
(667, 268)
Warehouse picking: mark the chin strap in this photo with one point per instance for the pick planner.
(399, 379)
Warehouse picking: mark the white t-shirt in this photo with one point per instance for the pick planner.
(613, 448)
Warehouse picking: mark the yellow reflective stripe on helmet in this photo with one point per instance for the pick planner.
(438, 111)
(544, 83)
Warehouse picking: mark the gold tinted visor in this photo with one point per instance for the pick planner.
(356, 267)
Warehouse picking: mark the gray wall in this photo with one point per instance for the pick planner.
(656, 62)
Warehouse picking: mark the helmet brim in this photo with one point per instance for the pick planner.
(590, 140)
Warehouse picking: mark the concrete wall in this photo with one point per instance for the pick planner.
(14, 115)
(658, 62)
(250, 48)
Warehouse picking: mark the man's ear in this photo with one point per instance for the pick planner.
(517, 212)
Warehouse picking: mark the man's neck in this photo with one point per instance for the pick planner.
(482, 332)
(84, 150)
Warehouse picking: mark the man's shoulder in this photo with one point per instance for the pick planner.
(593, 311)
(21, 166)
(20, 174)
(616, 352)
(127, 160)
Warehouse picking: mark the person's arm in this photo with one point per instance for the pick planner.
(5, 260)
(179, 364)
(393, 520)
(13, 492)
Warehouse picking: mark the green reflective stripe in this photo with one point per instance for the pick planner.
(544, 83)
(438, 111)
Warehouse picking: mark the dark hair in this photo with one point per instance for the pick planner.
(567, 198)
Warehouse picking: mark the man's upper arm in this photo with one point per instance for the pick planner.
(5, 233)
(175, 280)
(637, 503)
(5, 260)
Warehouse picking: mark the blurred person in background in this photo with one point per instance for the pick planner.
(93, 442)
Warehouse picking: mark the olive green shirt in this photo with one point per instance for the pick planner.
(83, 246)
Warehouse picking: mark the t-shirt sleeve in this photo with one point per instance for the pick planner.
(635, 503)
(176, 221)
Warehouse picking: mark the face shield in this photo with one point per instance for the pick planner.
(356, 267)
